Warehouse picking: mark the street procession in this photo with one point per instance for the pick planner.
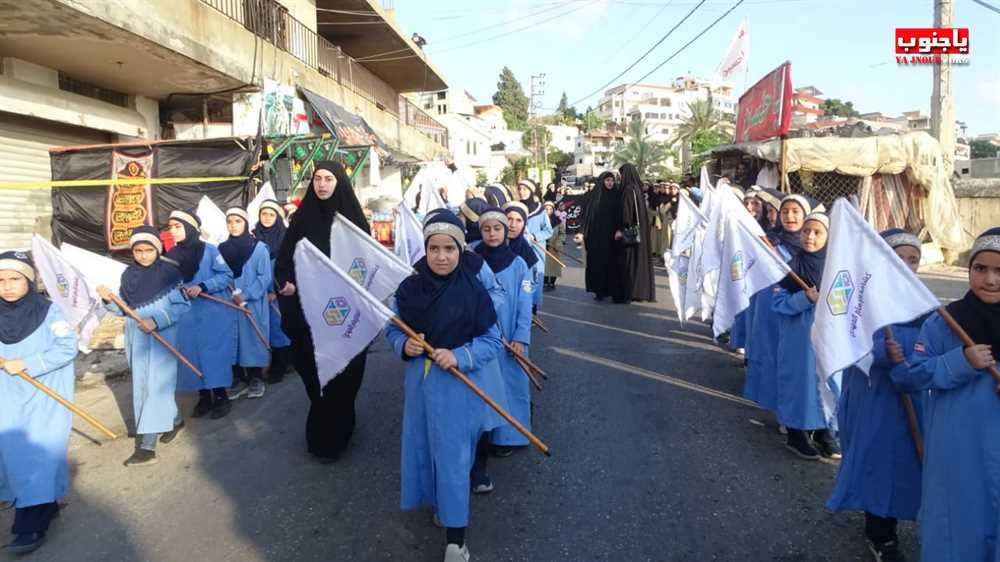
(724, 318)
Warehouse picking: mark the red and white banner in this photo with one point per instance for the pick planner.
(737, 55)
(765, 110)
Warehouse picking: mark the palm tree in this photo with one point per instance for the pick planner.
(649, 156)
(702, 119)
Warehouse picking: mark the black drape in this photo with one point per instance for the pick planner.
(638, 270)
(604, 253)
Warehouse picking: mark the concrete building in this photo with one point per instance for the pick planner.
(105, 71)
(594, 150)
(563, 137)
(807, 106)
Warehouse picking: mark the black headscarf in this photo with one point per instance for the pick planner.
(271, 235)
(20, 319)
(236, 250)
(497, 195)
(500, 257)
(450, 310)
(188, 252)
(604, 206)
(475, 207)
(520, 245)
(630, 176)
(141, 285)
(808, 266)
(980, 320)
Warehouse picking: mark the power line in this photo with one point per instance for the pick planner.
(535, 24)
(644, 55)
(987, 6)
(638, 33)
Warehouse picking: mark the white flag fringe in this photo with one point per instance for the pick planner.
(213, 221)
(342, 316)
(69, 289)
(369, 264)
(408, 235)
(737, 56)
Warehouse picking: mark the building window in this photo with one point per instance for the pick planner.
(666, 131)
(442, 95)
(70, 84)
(580, 161)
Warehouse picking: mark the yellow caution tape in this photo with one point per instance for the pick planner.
(119, 181)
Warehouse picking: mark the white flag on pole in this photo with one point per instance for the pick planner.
(737, 55)
(408, 235)
(865, 288)
(97, 269)
(725, 208)
(425, 185)
(69, 289)
(253, 209)
(693, 297)
(752, 267)
(369, 264)
(677, 259)
(213, 221)
(342, 316)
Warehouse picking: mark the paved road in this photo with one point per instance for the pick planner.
(655, 457)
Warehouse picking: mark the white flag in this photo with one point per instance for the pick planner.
(725, 208)
(678, 258)
(97, 269)
(253, 209)
(69, 289)
(688, 217)
(693, 297)
(752, 267)
(213, 221)
(737, 55)
(369, 264)
(425, 185)
(865, 288)
(408, 235)
(342, 316)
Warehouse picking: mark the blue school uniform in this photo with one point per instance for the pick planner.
(207, 333)
(492, 374)
(34, 428)
(515, 322)
(799, 405)
(960, 511)
(738, 333)
(539, 226)
(761, 384)
(880, 473)
(254, 283)
(154, 369)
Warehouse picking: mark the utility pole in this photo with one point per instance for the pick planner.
(942, 104)
(537, 91)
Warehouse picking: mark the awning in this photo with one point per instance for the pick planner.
(350, 129)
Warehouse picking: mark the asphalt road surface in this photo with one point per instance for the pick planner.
(655, 457)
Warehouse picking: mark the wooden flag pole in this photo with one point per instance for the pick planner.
(521, 359)
(246, 312)
(66, 403)
(966, 340)
(525, 368)
(537, 322)
(911, 412)
(475, 389)
(547, 252)
(795, 276)
(156, 335)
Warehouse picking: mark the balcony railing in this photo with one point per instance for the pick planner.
(415, 117)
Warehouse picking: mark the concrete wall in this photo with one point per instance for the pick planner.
(978, 204)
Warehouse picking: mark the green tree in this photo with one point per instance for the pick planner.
(702, 117)
(591, 121)
(835, 107)
(481, 179)
(559, 159)
(567, 113)
(510, 97)
(649, 156)
(514, 173)
(984, 149)
(704, 141)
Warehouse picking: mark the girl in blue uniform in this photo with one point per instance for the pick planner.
(799, 406)
(270, 230)
(539, 228)
(960, 510)
(469, 212)
(761, 384)
(250, 262)
(880, 473)
(514, 278)
(442, 419)
(520, 244)
(34, 429)
(151, 287)
(207, 333)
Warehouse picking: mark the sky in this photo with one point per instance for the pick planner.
(842, 47)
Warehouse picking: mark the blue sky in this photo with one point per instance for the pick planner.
(843, 47)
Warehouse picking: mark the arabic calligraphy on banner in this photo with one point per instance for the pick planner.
(129, 205)
(765, 110)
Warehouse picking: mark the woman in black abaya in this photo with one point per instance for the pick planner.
(638, 270)
(602, 233)
(331, 413)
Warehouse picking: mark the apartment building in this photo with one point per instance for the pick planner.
(594, 150)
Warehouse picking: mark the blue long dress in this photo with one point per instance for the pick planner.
(34, 428)
(515, 322)
(880, 473)
(442, 422)
(492, 375)
(539, 227)
(154, 369)
(207, 333)
(738, 334)
(960, 510)
(799, 405)
(761, 384)
(255, 282)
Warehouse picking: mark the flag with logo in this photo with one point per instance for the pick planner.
(751, 267)
(97, 269)
(213, 221)
(342, 315)
(689, 220)
(725, 208)
(408, 235)
(865, 288)
(69, 289)
(369, 264)
(737, 55)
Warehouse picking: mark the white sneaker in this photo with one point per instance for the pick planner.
(454, 553)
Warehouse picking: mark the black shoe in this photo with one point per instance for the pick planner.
(481, 482)
(799, 444)
(324, 459)
(25, 543)
(142, 457)
(204, 405)
(172, 434)
(827, 445)
(502, 451)
(886, 551)
(221, 409)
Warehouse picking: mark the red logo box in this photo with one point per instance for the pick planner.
(932, 41)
